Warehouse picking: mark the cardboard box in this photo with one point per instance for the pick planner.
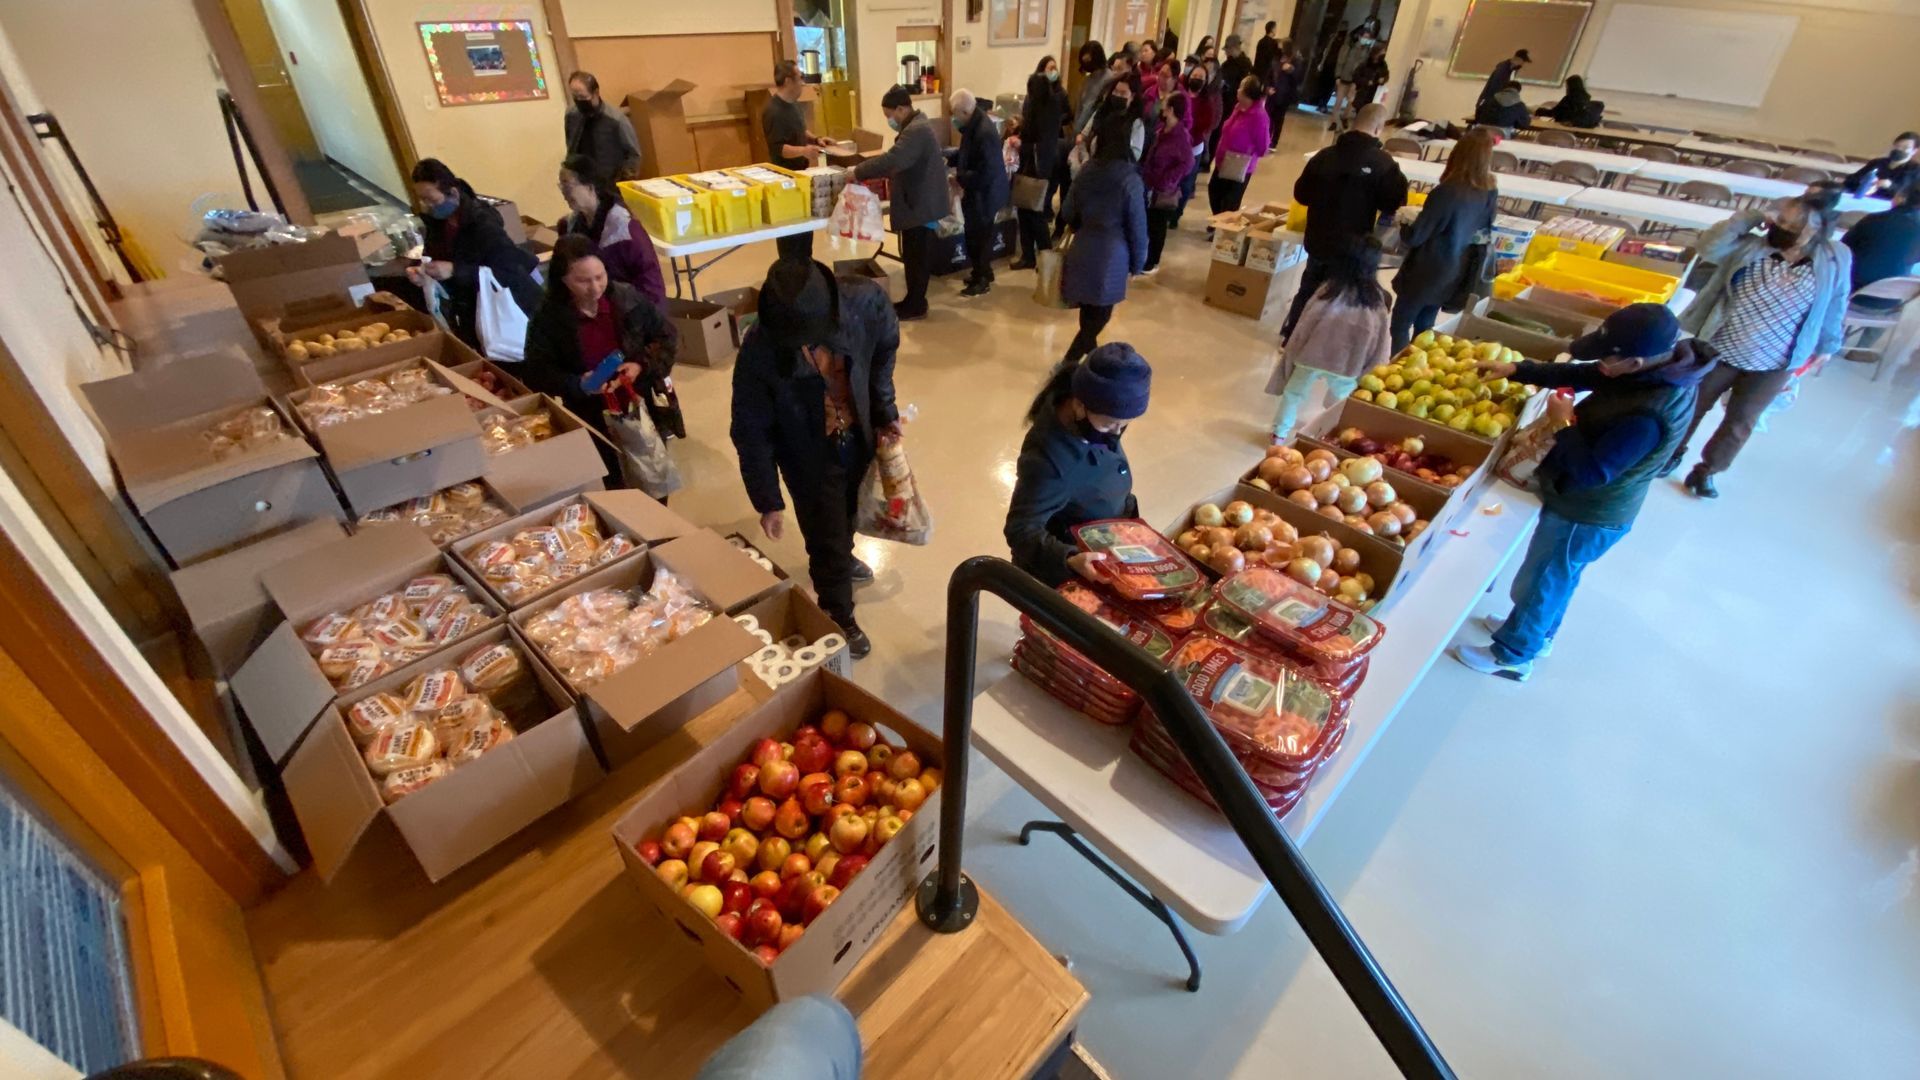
(1387, 425)
(706, 331)
(660, 121)
(1230, 234)
(750, 549)
(228, 608)
(727, 576)
(1680, 267)
(550, 469)
(1584, 306)
(635, 708)
(1565, 323)
(1432, 502)
(498, 381)
(788, 610)
(646, 517)
(510, 218)
(265, 280)
(1245, 291)
(155, 422)
(1387, 564)
(743, 310)
(1274, 249)
(1541, 347)
(307, 322)
(457, 818)
(834, 943)
(462, 551)
(873, 269)
(280, 688)
(417, 450)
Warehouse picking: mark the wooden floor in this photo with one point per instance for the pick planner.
(538, 960)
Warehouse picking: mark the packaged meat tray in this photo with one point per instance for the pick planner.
(1073, 690)
(1275, 719)
(1300, 617)
(1177, 615)
(1155, 746)
(1140, 564)
(1341, 679)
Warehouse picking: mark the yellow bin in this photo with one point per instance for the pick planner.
(780, 196)
(730, 208)
(668, 211)
(1610, 282)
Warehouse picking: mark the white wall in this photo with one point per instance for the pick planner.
(991, 70)
(647, 18)
(1850, 74)
(333, 90)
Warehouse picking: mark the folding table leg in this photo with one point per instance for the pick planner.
(1142, 897)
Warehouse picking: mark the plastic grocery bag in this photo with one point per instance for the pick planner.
(857, 216)
(890, 506)
(954, 223)
(644, 460)
(499, 320)
(1048, 267)
(1525, 451)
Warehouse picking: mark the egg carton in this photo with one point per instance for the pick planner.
(780, 662)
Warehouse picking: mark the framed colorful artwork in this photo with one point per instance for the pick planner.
(480, 63)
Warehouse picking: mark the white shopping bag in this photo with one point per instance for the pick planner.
(501, 323)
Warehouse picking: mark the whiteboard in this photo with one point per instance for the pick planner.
(1722, 56)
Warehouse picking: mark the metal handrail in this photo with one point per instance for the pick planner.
(946, 901)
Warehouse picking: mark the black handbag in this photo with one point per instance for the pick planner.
(663, 407)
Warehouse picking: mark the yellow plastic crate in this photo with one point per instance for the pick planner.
(1542, 246)
(778, 202)
(1572, 273)
(683, 215)
(729, 209)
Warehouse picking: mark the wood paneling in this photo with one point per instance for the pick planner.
(538, 960)
(720, 66)
(723, 144)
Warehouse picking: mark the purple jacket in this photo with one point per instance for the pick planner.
(1168, 160)
(1245, 132)
(623, 244)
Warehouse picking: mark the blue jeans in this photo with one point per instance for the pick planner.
(1559, 552)
(1411, 318)
(809, 1038)
(1294, 395)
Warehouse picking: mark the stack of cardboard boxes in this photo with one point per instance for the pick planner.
(1256, 261)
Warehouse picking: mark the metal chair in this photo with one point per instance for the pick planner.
(1504, 162)
(1874, 324)
(1401, 146)
(1706, 191)
(1575, 172)
(1827, 155)
(1801, 174)
(1557, 138)
(1743, 167)
(1650, 152)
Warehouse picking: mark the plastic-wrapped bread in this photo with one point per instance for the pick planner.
(477, 740)
(421, 590)
(450, 723)
(332, 629)
(368, 716)
(400, 746)
(401, 783)
(338, 661)
(433, 691)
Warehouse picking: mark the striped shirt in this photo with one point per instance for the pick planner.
(1766, 304)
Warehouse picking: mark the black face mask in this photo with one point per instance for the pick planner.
(1084, 429)
(1088, 67)
(1196, 85)
(584, 104)
(1780, 238)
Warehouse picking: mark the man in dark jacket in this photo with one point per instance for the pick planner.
(1282, 77)
(1885, 245)
(1504, 110)
(1232, 73)
(918, 169)
(812, 393)
(600, 132)
(1504, 72)
(1886, 177)
(1612, 445)
(1266, 48)
(983, 185)
(1347, 188)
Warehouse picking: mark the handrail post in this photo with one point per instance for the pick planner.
(947, 901)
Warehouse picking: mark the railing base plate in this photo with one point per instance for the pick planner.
(949, 922)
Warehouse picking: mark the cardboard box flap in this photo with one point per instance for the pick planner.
(281, 690)
(191, 386)
(416, 429)
(465, 385)
(642, 515)
(229, 584)
(333, 794)
(721, 572)
(273, 259)
(526, 480)
(355, 568)
(711, 649)
(160, 465)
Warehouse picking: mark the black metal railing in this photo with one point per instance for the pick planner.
(946, 901)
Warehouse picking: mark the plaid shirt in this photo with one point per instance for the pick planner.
(1766, 304)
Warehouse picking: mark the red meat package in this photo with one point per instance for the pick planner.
(1341, 679)
(1140, 564)
(1274, 718)
(1301, 618)
(1073, 688)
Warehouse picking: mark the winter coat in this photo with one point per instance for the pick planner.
(1092, 93)
(1264, 53)
(1501, 75)
(1731, 246)
(1903, 176)
(1884, 245)
(1504, 110)
(624, 246)
(1232, 73)
(1578, 110)
(1040, 122)
(919, 171)
(1207, 112)
(1351, 58)
(981, 167)
(1062, 481)
(779, 401)
(554, 364)
(1437, 242)
(1106, 209)
(1367, 80)
(1247, 131)
(1169, 162)
(472, 238)
(1341, 337)
(1346, 188)
(1282, 77)
(604, 135)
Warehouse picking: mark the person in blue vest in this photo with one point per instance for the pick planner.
(1640, 381)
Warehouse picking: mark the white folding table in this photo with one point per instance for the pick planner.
(1532, 189)
(680, 255)
(1606, 162)
(1185, 858)
(1754, 153)
(1634, 204)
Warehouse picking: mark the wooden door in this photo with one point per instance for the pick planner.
(270, 79)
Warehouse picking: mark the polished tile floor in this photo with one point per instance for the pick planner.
(1688, 848)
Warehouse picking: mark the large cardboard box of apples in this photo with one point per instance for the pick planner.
(786, 868)
(1313, 474)
(1437, 379)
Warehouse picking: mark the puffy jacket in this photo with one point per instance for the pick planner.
(604, 135)
(1041, 119)
(624, 246)
(1346, 188)
(1107, 210)
(1062, 481)
(1169, 162)
(554, 364)
(919, 171)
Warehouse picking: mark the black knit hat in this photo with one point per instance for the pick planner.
(799, 304)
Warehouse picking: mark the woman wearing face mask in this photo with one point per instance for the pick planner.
(1107, 212)
(1772, 310)
(1243, 139)
(1072, 469)
(583, 320)
(1041, 119)
(1122, 99)
(1203, 120)
(462, 235)
(621, 241)
(1096, 75)
(1165, 167)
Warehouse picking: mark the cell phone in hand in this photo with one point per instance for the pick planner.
(596, 380)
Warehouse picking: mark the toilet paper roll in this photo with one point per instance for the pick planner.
(830, 644)
(765, 563)
(765, 637)
(812, 656)
(739, 543)
(794, 641)
(771, 655)
(785, 672)
(748, 621)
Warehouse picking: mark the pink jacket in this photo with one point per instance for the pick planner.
(1245, 132)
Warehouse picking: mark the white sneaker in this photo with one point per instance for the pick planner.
(1493, 624)
(1480, 658)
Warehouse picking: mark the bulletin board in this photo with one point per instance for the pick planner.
(1017, 22)
(480, 63)
(1492, 29)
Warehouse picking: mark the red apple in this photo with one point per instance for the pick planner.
(742, 845)
(861, 736)
(677, 840)
(699, 855)
(714, 826)
(812, 755)
(793, 897)
(816, 796)
(706, 899)
(909, 794)
(806, 731)
(731, 807)
(731, 925)
(848, 834)
(834, 813)
(673, 872)
(766, 954)
(886, 829)
(878, 757)
(735, 896)
(795, 865)
(817, 846)
(779, 779)
(649, 852)
(846, 870)
(757, 813)
(766, 883)
(903, 764)
(717, 867)
(817, 902)
(849, 763)
(764, 752)
(745, 776)
(852, 790)
(764, 925)
(883, 787)
(791, 820)
(789, 935)
(773, 851)
(833, 724)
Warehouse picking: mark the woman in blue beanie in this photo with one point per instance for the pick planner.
(1071, 468)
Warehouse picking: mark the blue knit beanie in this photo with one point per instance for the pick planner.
(1113, 381)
